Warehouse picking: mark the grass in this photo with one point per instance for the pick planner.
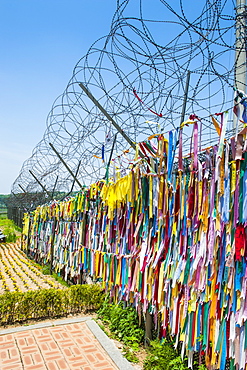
(10, 229)
(46, 271)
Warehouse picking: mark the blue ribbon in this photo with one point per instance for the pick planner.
(244, 115)
(171, 152)
(226, 201)
(223, 354)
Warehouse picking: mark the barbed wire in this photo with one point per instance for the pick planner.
(138, 74)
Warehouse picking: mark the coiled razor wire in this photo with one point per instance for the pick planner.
(138, 74)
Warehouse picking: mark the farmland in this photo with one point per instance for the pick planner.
(18, 273)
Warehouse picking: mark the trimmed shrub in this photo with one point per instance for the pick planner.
(48, 303)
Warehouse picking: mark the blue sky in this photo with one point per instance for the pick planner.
(40, 43)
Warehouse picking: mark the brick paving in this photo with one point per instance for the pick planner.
(63, 347)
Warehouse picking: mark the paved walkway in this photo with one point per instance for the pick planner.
(75, 344)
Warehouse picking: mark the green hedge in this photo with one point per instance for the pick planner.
(48, 303)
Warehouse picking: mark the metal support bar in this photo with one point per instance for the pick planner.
(114, 123)
(77, 170)
(40, 183)
(52, 194)
(109, 161)
(148, 329)
(28, 234)
(14, 195)
(24, 191)
(240, 53)
(185, 97)
(66, 166)
(113, 144)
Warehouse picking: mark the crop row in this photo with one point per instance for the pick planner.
(18, 273)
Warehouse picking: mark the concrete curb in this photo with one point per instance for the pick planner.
(44, 325)
(109, 346)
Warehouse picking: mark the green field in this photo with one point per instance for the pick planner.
(9, 228)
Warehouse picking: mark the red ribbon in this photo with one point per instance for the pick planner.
(157, 114)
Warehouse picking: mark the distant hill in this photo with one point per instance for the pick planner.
(3, 198)
(3, 207)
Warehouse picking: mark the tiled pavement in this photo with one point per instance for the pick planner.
(56, 346)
